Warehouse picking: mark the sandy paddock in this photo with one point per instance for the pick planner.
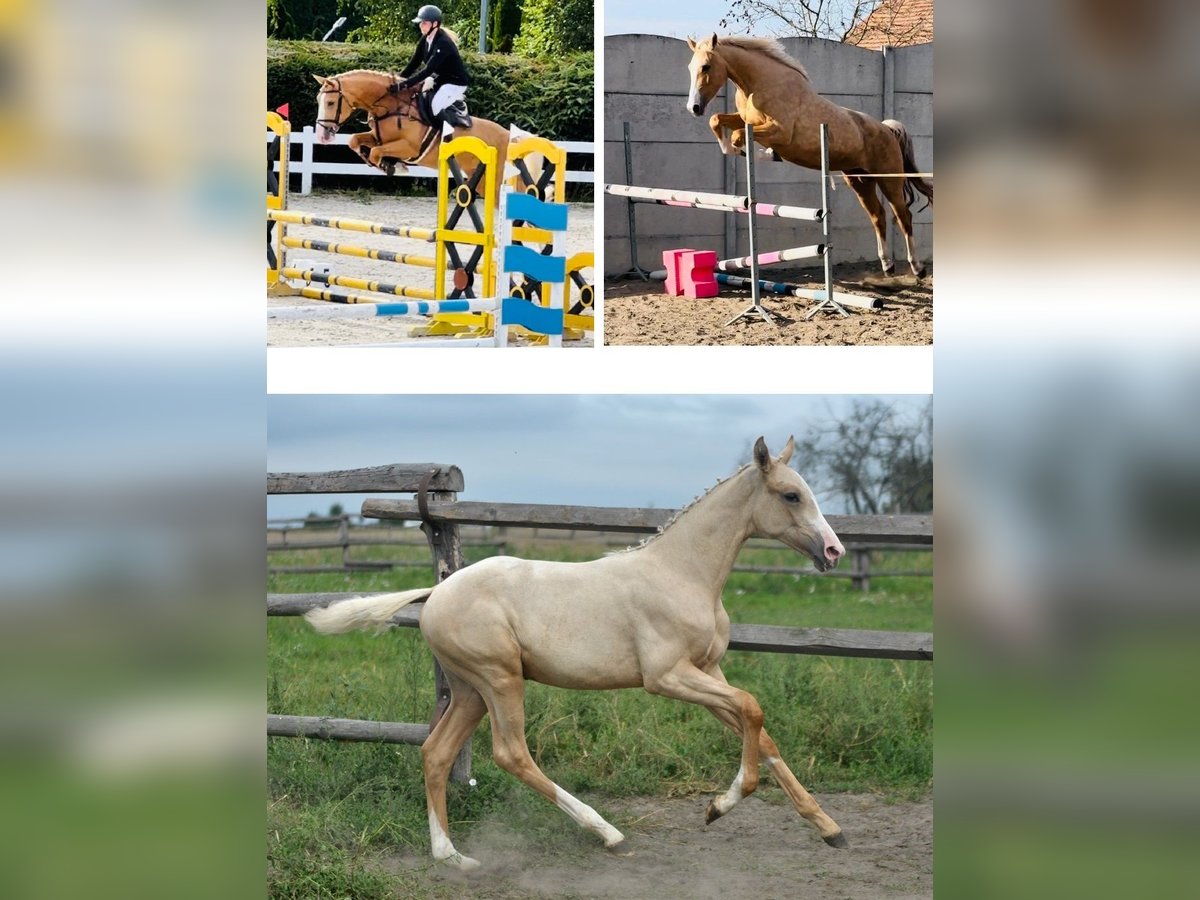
(638, 312)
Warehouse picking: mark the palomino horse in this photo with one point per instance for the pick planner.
(775, 96)
(397, 131)
(647, 617)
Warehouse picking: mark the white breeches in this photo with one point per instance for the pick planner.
(447, 95)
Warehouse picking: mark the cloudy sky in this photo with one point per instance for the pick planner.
(592, 450)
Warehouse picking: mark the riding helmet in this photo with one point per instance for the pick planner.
(428, 14)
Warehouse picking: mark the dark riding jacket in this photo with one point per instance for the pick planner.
(441, 60)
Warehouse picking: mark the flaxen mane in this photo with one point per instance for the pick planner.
(766, 46)
(675, 518)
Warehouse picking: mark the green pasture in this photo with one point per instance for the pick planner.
(337, 809)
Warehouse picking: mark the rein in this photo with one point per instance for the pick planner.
(406, 111)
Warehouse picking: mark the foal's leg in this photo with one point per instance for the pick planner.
(438, 754)
(864, 189)
(686, 682)
(804, 802)
(506, 702)
(893, 189)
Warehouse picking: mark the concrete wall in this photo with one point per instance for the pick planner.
(646, 84)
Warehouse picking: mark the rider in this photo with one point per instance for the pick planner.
(438, 51)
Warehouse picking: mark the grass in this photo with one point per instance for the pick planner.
(337, 811)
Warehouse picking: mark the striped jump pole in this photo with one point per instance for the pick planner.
(408, 259)
(362, 284)
(760, 209)
(343, 224)
(786, 288)
(792, 290)
(773, 257)
(678, 198)
(371, 310)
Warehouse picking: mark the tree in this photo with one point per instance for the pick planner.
(505, 24)
(877, 459)
(302, 20)
(555, 27)
(837, 20)
(830, 19)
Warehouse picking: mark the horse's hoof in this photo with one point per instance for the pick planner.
(921, 273)
(889, 271)
(620, 848)
(460, 863)
(712, 813)
(389, 168)
(837, 840)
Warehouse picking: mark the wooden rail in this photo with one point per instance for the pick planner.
(910, 529)
(761, 638)
(401, 479)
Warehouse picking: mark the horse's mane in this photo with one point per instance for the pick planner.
(766, 46)
(363, 72)
(675, 518)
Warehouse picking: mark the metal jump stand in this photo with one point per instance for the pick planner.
(752, 226)
(829, 300)
(825, 299)
(631, 206)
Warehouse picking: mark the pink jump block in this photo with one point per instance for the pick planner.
(690, 273)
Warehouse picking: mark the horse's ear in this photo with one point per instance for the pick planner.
(321, 80)
(714, 40)
(788, 449)
(691, 44)
(762, 456)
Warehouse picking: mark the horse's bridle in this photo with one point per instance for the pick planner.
(337, 116)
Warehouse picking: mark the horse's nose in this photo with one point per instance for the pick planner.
(834, 552)
(694, 109)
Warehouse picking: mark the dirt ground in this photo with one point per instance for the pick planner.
(637, 312)
(414, 211)
(762, 849)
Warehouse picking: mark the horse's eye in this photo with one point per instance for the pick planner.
(791, 497)
(705, 67)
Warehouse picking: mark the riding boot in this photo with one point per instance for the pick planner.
(425, 108)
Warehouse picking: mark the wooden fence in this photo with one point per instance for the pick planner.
(441, 514)
(349, 531)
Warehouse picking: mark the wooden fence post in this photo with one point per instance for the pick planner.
(445, 546)
(862, 570)
(344, 538)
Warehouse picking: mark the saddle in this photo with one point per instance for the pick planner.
(455, 113)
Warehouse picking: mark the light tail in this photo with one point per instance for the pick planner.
(362, 613)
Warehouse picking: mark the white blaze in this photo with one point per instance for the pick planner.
(693, 91)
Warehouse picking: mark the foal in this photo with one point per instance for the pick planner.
(648, 617)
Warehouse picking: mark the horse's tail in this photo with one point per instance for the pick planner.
(361, 613)
(910, 164)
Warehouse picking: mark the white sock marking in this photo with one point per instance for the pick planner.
(587, 817)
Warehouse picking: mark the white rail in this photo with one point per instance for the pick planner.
(303, 161)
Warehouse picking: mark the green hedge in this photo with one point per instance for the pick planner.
(550, 97)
